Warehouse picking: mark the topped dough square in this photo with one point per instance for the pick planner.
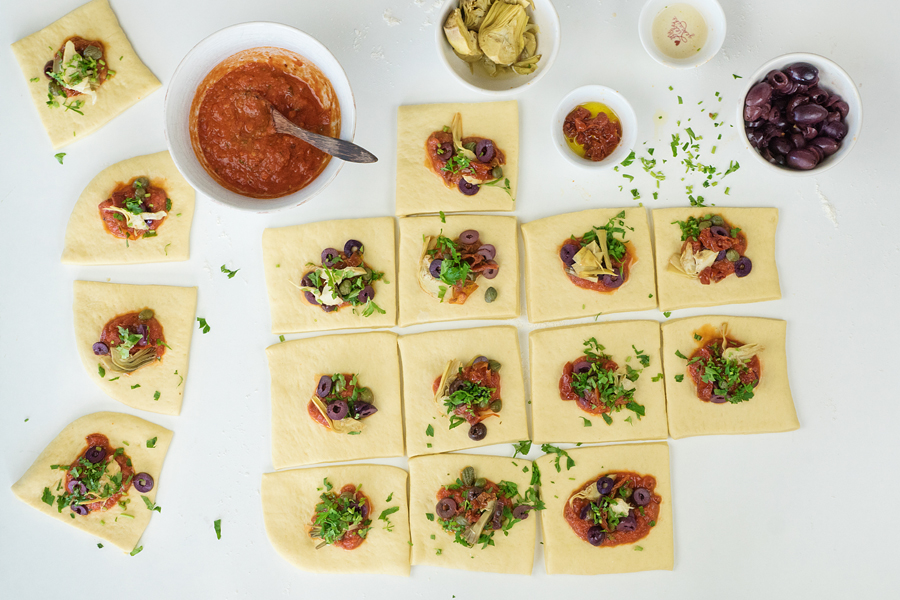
(432, 545)
(771, 409)
(289, 501)
(296, 368)
(551, 293)
(131, 80)
(567, 553)
(290, 252)
(420, 306)
(420, 190)
(558, 420)
(425, 357)
(677, 290)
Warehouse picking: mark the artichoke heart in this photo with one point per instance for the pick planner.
(443, 391)
(590, 493)
(474, 12)
(463, 41)
(742, 353)
(690, 264)
(427, 283)
(526, 66)
(133, 362)
(456, 129)
(473, 531)
(502, 33)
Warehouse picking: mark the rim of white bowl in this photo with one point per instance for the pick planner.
(626, 114)
(856, 109)
(709, 8)
(323, 182)
(542, 69)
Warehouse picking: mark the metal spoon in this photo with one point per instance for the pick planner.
(335, 147)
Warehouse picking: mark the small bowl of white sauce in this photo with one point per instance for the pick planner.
(682, 34)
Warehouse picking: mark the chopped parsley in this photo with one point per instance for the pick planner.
(59, 157)
(523, 448)
(151, 443)
(217, 524)
(606, 388)
(203, 325)
(229, 272)
(337, 515)
(559, 452)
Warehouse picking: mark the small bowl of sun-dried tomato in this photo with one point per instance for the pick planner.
(594, 127)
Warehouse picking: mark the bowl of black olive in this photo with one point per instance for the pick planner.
(801, 114)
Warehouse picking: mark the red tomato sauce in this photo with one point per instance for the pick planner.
(94, 440)
(572, 510)
(110, 333)
(480, 373)
(597, 135)
(115, 223)
(237, 136)
(313, 411)
(711, 345)
(476, 169)
(591, 404)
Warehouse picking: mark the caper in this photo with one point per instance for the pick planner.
(345, 286)
(481, 482)
(717, 220)
(366, 395)
(92, 52)
(732, 255)
(705, 225)
(490, 295)
(496, 405)
(470, 146)
(497, 172)
(139, 193)
(145, 315)
(141, 182)
(55, 89)
(484, 403)
(468, 476)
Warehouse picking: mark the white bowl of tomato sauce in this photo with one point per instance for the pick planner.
(218, 129)
(596, 99)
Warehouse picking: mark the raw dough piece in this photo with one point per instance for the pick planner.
(96, 303)
(513, 554)
(89, 243)
(552, 295)
(295, 368)
(286, 252)
(424, 357)
(416, 306)
(770, 410)
(565, 552)
(124, 533)
(677, 291)
(557, 420)
(289, 501)
(419, 189)
(132, 81)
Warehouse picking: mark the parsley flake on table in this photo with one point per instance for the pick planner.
(559, 452)
(59, 157)
(523, 448)
(217, 524)
(229, 272)
(203, 325)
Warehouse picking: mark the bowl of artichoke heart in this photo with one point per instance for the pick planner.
(498, 46)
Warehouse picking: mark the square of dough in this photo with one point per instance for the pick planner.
(89, 243)
(296, 367)
(565, 552)
(424, 357)
(120, 428)
(770, 410)
(552, 295)
(417, 306)
(132, 82)
(558, 420)
(419, 189)
(287, 252)
(289, 500)
(95, 304)
(513, 553)
(677, 291)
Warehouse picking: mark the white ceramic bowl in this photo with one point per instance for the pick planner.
(834, 80)
(612, 99)
(715, 22)
(543, 15)
(201, 60)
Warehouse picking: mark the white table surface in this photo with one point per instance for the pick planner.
(797, 515)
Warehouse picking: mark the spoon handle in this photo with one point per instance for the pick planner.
(335, 147)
